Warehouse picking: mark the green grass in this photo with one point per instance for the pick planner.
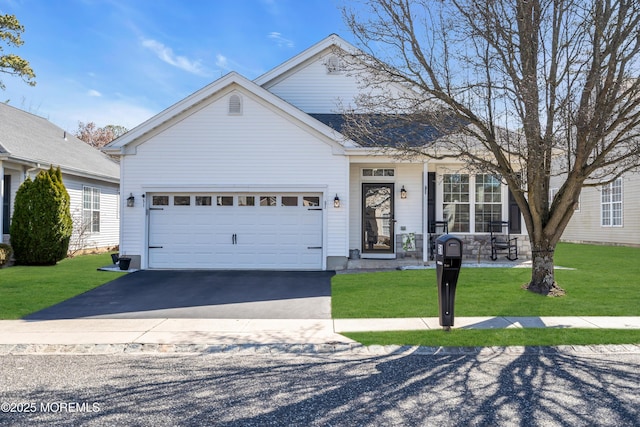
(498, 337)
(24, 290)
(605, 282)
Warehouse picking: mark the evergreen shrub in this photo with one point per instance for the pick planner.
(41, 225)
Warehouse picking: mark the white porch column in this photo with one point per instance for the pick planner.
(2, 198)
(425, 212)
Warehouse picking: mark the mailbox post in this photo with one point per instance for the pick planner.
(448, 263)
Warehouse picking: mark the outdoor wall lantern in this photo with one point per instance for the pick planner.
(403, 193)
(336, 201)
(131, 200)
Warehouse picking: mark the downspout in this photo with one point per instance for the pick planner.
(28, 171)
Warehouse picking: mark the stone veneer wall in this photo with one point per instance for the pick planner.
(478, 247)
(401, 253)
(474, 247)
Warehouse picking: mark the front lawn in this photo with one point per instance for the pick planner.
(498, 337)
(605, 282)
(24, 290)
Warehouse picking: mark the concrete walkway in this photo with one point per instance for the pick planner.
(258, 331)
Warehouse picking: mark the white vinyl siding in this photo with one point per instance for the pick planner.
(586, 224)
(109, 212)
(208, 149)
(312, 89)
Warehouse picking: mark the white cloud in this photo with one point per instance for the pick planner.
(166, 54)
(281, 41)
(222, 62)
(93, 92)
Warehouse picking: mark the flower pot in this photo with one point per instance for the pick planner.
(124, 263)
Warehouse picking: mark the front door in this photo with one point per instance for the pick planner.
(377, 219)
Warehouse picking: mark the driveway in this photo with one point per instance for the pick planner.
(203, 294)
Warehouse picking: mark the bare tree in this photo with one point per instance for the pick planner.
(540, 85)
(96, 136)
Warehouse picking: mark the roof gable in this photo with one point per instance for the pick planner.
(287, 67)
(25, 137)
(210, 92)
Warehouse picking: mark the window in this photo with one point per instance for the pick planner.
(471, 202)
(160, 200)
(456, 202)
(289, 201)
(378, 172)
(181, 200)
(488, 205)
(224, 200)
(268, 201)
(246, 201)
(310, 201)
(611, 204)
(203, 200)
(235, 105)
(91, 209)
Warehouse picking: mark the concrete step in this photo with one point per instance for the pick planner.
(382, 264)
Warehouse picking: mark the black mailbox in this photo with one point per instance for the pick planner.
(448, 263)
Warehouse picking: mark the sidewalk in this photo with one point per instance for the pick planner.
(259, 331)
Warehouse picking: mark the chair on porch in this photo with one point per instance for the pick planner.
(502, 242)
(436, 229)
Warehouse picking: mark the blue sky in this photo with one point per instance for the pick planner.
(122, 61)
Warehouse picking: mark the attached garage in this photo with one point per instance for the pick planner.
(235, 230)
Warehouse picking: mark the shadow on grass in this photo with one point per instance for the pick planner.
(530, 388)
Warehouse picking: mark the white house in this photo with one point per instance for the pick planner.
(606, 214)
(28, 144)
(255, 174)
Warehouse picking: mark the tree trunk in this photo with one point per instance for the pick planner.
(542, 273)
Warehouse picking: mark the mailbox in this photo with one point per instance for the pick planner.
(448, 263)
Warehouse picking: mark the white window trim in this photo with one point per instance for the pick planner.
(91, 210)
(472, 199)
(611, 204)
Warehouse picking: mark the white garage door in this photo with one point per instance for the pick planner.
(235, 231)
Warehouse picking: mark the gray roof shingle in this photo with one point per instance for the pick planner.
(27, 137)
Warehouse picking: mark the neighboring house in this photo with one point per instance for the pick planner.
(255, 174)
(607, 214)
(29, 144)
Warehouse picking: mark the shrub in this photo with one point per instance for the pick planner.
(41, 225)
(5, 254)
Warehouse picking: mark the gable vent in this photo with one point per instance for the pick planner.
(235, 104)
(334, 65)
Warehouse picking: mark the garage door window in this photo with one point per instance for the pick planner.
(311, 201)
(224, 200)
(268, 201)
(181, 200)
(246, 201)
(203, 200)
(160, 200)
(289, 201)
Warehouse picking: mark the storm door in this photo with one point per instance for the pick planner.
(377, 218)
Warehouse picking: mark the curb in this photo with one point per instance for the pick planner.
(304, 349)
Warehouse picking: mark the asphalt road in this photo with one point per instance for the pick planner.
(317, 390)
